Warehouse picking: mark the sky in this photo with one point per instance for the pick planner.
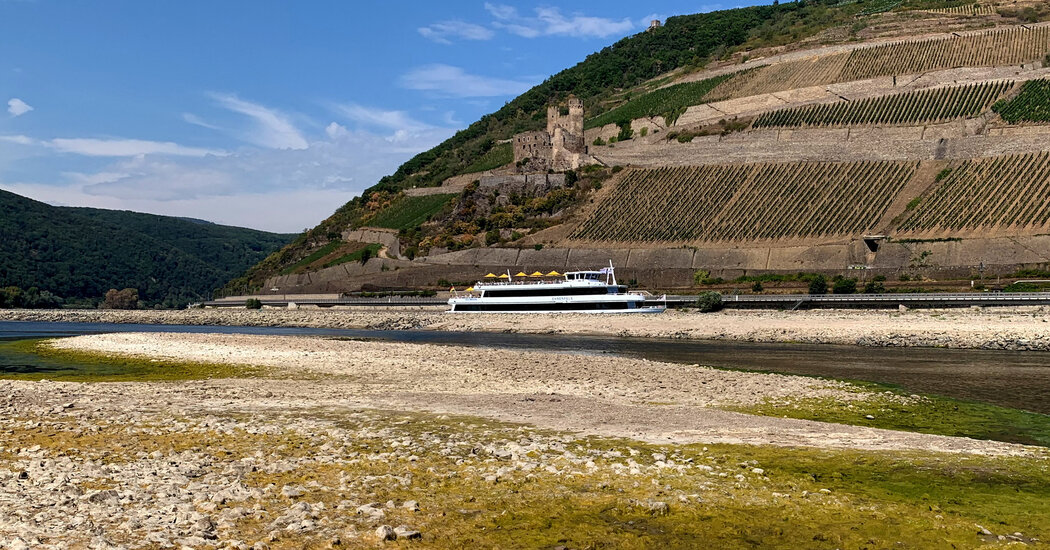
(266, 114)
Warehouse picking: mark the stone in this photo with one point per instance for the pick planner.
(411, 505)
(659, 508)
(758, 471)
(291, 491)
(403, 532)
(385, 533)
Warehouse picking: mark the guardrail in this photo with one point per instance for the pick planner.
(786, 301)
(794, 301)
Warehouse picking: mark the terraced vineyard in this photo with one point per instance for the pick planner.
(1011, 191)
(995, 48)
(778, 77)
(1032, 104)
(932, 105)
(969, 9)
(746, 202)
(667, 102)
(1010, 46)
(409, 212)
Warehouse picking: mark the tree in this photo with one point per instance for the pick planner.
(121, 299)
(253, 303)
(819, 285)
(845, 285)
(709, 301)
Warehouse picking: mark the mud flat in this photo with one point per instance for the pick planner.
(342, 443)
(988, 328)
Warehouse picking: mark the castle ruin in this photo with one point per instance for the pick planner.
(560, 147)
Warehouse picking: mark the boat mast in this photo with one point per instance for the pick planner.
(611, 273)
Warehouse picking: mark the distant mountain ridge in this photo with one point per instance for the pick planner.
(80, 253)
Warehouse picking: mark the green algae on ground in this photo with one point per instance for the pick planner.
(592, 492)
(38, 360)
(881, 406)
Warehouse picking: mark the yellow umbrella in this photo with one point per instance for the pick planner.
(536, 274)
(469, 289)
(490, 276)
(520, 274)
(553, 274)
(504, 276)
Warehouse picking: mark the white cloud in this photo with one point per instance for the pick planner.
(21, 140)
(379, 118)
(335, 130)
(455, 82)
(17, 107)
(551, 22)
(272, 129)
(277, 190)
(198, 121)
(126, 148)
(444, 31)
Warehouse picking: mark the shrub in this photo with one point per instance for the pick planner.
(819, 285)
(643, 132)
(874, 287)
(708, 302)
(757, 287)
(492, 237)
(845, 286)
(599, 141)
(253, 303)
(121, 299)
(539, 246)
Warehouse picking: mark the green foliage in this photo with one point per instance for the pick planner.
(1023, 287)
(819, 285)
(409, 212)
(492, 237)
(776, 278)
(942, 174)
(316, 255)
(252, 303)
(644, 131)
(362, 255)
(757, 287)
(703, 277)
(892, 409)
(844, 285)
(1031, 105)
(599, 141)
(80, 253)
(930, 105)
(669, 102)
(33, 298)
(501, 154)
(708, 302)
(625, 132)
(874, 287)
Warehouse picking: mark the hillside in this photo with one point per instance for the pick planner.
(80, 253)
(798, 131)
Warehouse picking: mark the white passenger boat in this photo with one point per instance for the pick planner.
(576, 292)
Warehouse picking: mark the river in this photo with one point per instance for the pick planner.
(1011, 379)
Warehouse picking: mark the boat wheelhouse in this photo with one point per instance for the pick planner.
(576, 292)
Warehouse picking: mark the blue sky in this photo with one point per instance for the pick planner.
(265, 114)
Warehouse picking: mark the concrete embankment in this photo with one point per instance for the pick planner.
(1024, 329)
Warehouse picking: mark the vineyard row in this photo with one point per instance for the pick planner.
(746, 202)
(931, 105)
(1012, 46)
(1011, 191)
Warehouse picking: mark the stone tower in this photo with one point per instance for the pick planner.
(561, 147)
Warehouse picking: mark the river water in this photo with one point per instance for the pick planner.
(1012, 379)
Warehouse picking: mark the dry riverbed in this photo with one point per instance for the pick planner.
(1024, 328)
(311, 442)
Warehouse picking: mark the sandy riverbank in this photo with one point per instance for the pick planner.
(988, 328)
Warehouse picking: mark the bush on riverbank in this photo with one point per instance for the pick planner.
(709, 302)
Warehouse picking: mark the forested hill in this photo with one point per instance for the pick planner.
(80, 253)
(603, 81)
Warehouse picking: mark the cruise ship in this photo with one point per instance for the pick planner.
(574, 292)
